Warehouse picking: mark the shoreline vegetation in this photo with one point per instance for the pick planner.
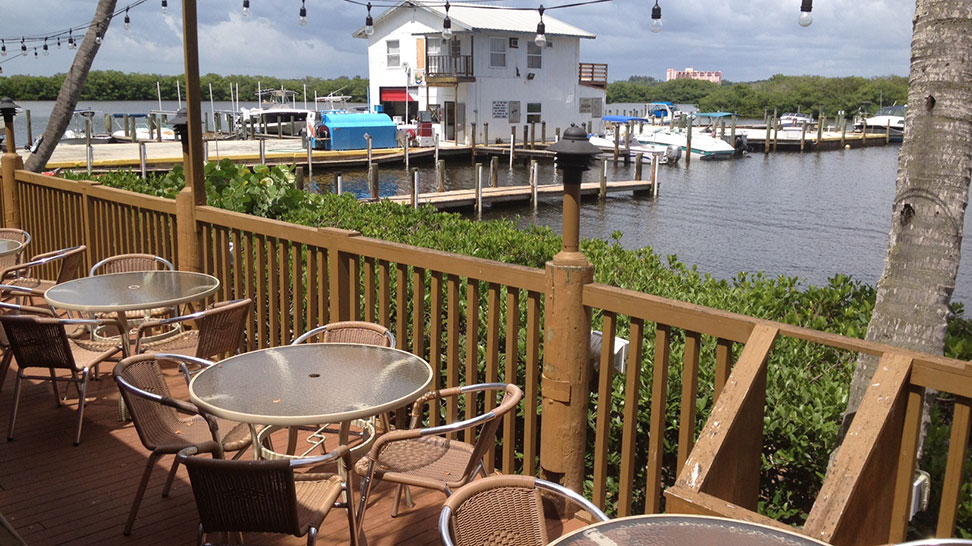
(807, 384)
(747, 99)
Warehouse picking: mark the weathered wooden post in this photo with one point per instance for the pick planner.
(776, 132)
(415, 188)
(368, 138)
(338, 183)
(565, 378)
(843, 131)
(627, 143)
(803, 136)
(479, 189)
(142, 159)
(30, 128)
(821, 121)
(127, 127)
(11, 162)
(158, 128)
(543, 132)
(406, 149)
(533, 183)
(263, 152)
(766, 141)
(435, 142)
(654, 175)
(88, 152)
(440, 175)
(373, 180)
(638, 161)
(617, 142)
(688, 140)
(887, 132)
(494, 172)
(602, 190)
(526, 135)
(533, 135)
(512, 144)
(485, 133)
(473, 148)
(732, 132)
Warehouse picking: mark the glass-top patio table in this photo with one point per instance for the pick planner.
(8, 247)
(659, 529)
(310, 384)
(120, 293)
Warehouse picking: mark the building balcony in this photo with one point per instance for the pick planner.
(593, 75)
(448, 69)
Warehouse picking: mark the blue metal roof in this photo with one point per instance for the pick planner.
(713, 114)
(623, 119)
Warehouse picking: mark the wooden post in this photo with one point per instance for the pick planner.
(627, 143)
(557, 134)
(533, 135)
(310, 162)
(158, 128)
(368, 138)
(688, 140)
(776, 132)
(10, 163)
(732, 132)
(485, 133)
(195, 177)
(654, 175)
(435, 142)
(88, 152)
(533, 183)
(189, 257)
(472, 154)
(299, 177)
(803, 136)
(142, 159)
(30, 128)
(127, 127)
(512, 144)
(638, 159)
(526, 135)
(864, 135)
(293, 126)
(821, 121)
(406, 150)
(415, 190)
(602, 191)
(843, 131)
(373, 179)
(543, 132)
(887, 133)
(279, 128)
(440, 174)
(205, 124)
(479, 189)
(494, 172)
(617, 142)
(767, 141)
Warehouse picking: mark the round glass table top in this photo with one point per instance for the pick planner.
(8, 247)
(671, 529)
(311, 383)
(131, 291)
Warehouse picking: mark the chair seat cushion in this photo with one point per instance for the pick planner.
(433, 461)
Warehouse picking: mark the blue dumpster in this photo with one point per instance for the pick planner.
(346, 131)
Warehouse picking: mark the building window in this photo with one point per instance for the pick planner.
(394, 58)
(534, 55)
(533, 112)
(497, 52)
(434, 46)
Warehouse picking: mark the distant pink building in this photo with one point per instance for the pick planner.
(714, 76)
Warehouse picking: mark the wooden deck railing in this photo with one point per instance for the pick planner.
(593, 75)
(477, 320)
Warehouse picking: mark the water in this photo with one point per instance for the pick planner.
(811, 215)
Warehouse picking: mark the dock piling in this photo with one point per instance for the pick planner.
(472, 154)
(310, 161)
(339, 183)
(479, 189)
(688, 140)
(887, 132)
(485, 133)
(263, 152)
(368, 138)
(440, 174)
(617, 142)
(205, 150)
(534, 171)
(415, 192)
(638, 160)
(557, 134)
(732, 132)
(128, 128)
(406, 149)
(627, 143)
(654, 175)
(89, 152)
(543, 132)
(435, 142)
(533, 135)
(30, 130)
(493, 171)
(526, 135)
(373, 180)
(803, 136)
(299, 177)
(512, 144)
(602, 193)
(107, 120)
(142, 157)
(843, 131)
(821, 121)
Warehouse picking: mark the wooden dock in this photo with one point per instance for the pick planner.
(796, 141)
(456, 199)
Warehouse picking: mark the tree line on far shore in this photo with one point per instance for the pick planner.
(751, 99)
(117, 86)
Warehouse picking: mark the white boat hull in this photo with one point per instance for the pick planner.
(703, 146)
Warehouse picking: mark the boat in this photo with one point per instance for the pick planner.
(704, 145)
(890, 118)
(711, 125)
(795, 120)
(75, 133)
(142, 130)
(662, 112)
(629, 144)
(277, 113)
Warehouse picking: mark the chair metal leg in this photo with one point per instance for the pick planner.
(367, 483)
(168, 480)
(398, 500)
(57, 392)
(81, 399)
(149, 465)
(349, 505)
(312, 536)
(16, 402)
(201, 536)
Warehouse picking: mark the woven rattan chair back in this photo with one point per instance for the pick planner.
(125, 263)
(38, 342)
(70, 264)
(13, 234)
(503, 510)
(248, 496)
(156, 423)
(221, 328)
(352, 331)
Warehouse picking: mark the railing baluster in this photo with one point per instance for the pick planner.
(435, 341)
(910, 433)
(452, 349)
(602, 425)
(401, 305)
(384, 293)
(659, 405)
(274, 257)
(531, 383)
(354, 274)
(492, 356)
(510, 375)
(629, 439)
(261, 284)
(723, 366)
(954, 468)
(472, 348)
(690, 391)
(369, 288)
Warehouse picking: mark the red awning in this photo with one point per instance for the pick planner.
(396, 94)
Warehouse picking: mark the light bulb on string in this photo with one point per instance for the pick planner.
(71, 44)
(369, 23)
(303, 14)
(35, 54)
(98, 37)
(806, 18)
(3, 48)
(246, 8)
(128, 20)
(447, 24)
(59, 42)
(46, 51)
(165, 6)
(656, 20)
(541, 39)
(23, 47)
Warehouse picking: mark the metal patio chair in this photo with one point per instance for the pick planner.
(43, 342)
(24, 274)
(503, 509)
(425, 457)
(266, 496)
(7, 308)
(217, 331)
(124, 263)
(167, 425)
(14, 234)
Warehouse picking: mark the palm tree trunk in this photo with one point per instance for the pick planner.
(934, 172)
(70, 92)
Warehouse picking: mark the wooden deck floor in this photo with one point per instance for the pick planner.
(55, 493)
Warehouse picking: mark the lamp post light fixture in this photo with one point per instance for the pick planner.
(180, 125)
(574, 153)
(9, 109)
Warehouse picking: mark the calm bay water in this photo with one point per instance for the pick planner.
(811, 215)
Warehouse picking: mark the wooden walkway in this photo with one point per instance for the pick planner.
(54, 493)
(454, 199)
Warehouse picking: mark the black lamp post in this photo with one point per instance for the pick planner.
(9, 109)
(180, 125)
(574, 154)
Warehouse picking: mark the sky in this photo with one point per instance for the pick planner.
(747, 40)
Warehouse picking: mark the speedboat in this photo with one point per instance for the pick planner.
(277, 112)
(628, 143)
(888, 118)
(662, 112)
(795, 120)
(704, 146)
(75, 133)
(142, 130)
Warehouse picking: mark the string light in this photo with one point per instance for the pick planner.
(59, 42)
(303, 14)
(447, 24)
(98, 37)
(541, 39)
(806, 18)
(246, 8)
(128, 20)
(35, 54)
(369, 23)
(165, 6)
(3, 49)
(71, 44)
(23, 46)
(46, 51)
(656, 22)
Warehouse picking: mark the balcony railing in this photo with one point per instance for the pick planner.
(593, 75)
(476, 320)
(445, 66)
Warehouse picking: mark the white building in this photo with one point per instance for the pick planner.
(490, 72)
